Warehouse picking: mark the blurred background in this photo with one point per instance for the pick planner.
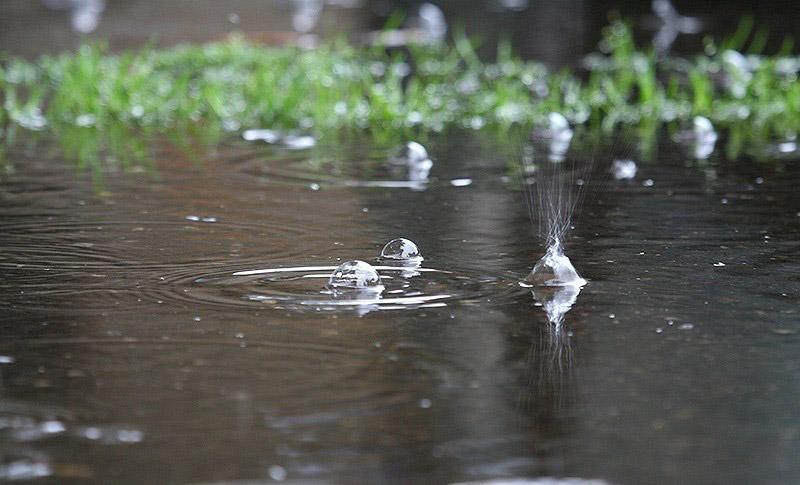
(554, 31)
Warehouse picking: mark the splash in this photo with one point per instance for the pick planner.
(554, 190)
(555, 269)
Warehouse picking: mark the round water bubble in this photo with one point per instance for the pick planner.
(401, 249)
(411, 153)
(355, 275)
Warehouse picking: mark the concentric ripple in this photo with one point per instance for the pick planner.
(304, 288)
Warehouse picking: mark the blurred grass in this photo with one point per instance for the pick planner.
(105, 108)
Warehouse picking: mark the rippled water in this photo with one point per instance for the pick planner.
(173, 327)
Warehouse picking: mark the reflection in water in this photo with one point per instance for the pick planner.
(556, 301)
(550, 358)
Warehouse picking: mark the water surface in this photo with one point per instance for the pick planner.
(132, 354)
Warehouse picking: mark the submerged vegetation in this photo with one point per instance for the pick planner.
(100, 105)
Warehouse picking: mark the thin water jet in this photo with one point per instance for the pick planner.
(554, 191)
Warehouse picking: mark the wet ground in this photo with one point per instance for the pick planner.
(132, 354)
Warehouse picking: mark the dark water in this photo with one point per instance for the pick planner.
(133, 355)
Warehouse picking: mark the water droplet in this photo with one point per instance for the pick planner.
(277, 473)
(401, 249)
(313, 186)
(719, 265)
(624, 169)
(685, 326)
(53, 427)
(461, 182)
(295, 142)
(7, 359)
(412, 152)
(648, 183)
(432, 22)
(425, 403)
(268, 136)
(355, 275)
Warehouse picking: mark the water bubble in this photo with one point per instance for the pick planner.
(555, 269)
(306, 14)
(432, 22)
(413, 163)
(277, 473)
(401, 249)
(624, 169)
(355, 275)
(557, 134)
(412, 152)
(703, 129)
(268, 136)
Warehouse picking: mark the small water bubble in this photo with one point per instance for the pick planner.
(129, 436)
(461, 182)
(685, 326)
(193, 218)
(759, 180)
(355, 275)
(268, 136)
(612, 316)
(401, 249)
(85, 120)
(624, 169)
(299, 142)
(53, 427)
(412, 152)
(92, 433)
(648, 183)
(234, 18)
(659, 330)
(313, 186)
(719, 264)
(425, 403)
(7, 359)
(196, 319)
(432, 22)
(239, 335)
(277, 473)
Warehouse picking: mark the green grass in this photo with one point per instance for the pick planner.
(110, 107)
